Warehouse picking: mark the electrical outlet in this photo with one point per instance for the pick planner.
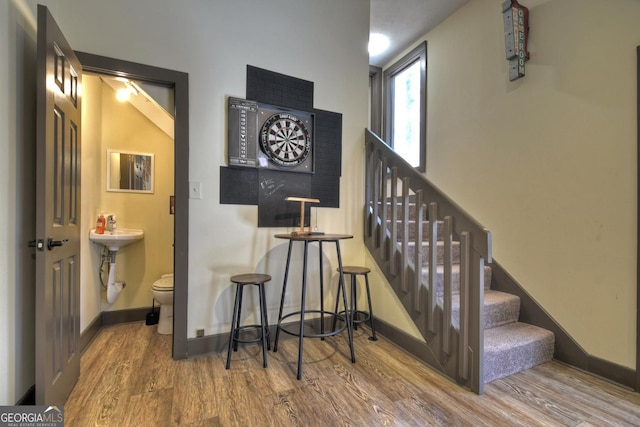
(199, 333)
(195, 190)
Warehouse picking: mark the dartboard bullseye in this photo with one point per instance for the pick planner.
(285, 140)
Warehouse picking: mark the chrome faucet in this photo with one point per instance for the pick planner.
(111, 223)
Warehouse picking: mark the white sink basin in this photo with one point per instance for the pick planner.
(114, 240)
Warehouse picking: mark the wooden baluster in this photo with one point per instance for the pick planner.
(405, 235)
(376, 199)
(433, 265)
(393, 247)
(417, 255)
(448, 284)
(382, 233)
(476, 321)
(463, 344)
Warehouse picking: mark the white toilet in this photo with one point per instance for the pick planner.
(163, 294)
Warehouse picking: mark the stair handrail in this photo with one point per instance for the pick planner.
(481, 236)
(385, 168)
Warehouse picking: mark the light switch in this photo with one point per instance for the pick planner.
(195, 190)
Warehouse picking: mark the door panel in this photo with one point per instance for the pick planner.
(57, 214)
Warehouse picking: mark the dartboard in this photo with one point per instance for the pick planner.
(285, 140)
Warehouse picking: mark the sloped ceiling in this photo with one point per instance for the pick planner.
(155, 108)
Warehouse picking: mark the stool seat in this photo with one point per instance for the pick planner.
(250, 278)
(357, 316)
(242, 280)
(352, 269)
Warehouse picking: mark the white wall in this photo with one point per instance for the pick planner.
(547, 162)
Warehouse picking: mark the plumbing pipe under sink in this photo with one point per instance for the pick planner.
(113, 240)
(113, 288)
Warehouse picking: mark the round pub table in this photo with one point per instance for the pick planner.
(306, 239)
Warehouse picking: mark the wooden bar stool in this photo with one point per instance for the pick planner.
(357, 316)
(242, 280)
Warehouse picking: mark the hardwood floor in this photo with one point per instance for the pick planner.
(129, 379)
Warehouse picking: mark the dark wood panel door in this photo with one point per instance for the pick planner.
(57, 214)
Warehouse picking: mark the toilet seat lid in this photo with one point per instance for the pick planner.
(163, 284)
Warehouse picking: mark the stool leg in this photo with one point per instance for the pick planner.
(354, 301)
(266, 317)
(335, 310)
(302, 308)
(321, 290)
(238, 314)
(263, 323)
(284, 292)
(373, 329)
(234, 326)
(344, 295)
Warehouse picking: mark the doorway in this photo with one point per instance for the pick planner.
(177, 81)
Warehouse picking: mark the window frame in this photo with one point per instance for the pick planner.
(418, 54)
(375, 100)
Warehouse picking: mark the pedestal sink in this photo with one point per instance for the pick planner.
(114, 240)
(118, 238)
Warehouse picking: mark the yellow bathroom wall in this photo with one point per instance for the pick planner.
(124, 128)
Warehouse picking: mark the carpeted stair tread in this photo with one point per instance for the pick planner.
(515, 347)
(412, 229)
(499, 309)
(455, 251)
(455, 278)
(412, 210)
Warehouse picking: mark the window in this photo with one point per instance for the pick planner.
(405, 107)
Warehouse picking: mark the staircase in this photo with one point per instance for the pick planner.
(472, 332)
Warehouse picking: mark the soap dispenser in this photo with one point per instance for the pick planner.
(100, 224)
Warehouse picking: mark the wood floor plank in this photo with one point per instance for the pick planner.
(583, 403)
(155, 371)
(194, 390)
(128, 378)
(308, 398)
(525, 409)
(563, 411)
(386, 371)
(149, 409)
(611, 394)
(107, 367)
(245, 405)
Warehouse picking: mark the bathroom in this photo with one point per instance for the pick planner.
(110, 124)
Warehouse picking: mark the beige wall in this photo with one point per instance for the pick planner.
(547, 162)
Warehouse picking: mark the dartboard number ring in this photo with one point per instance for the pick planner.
(285, 139)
